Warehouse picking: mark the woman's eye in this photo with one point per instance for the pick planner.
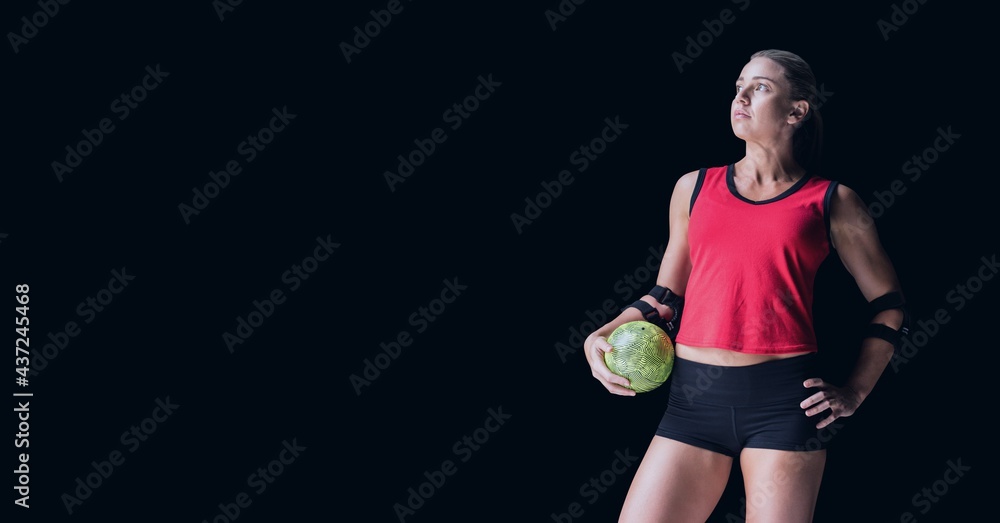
(761, 85)
(738, 87)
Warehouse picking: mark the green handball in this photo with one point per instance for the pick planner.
(642, 353)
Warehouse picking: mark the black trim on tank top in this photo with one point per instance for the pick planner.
(731, 182)
(826, 209)
(697, 189)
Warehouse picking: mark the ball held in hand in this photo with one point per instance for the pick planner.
(643, 354)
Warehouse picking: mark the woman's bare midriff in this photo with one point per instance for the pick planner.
(724, 357)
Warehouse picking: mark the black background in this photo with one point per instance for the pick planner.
(495, 345)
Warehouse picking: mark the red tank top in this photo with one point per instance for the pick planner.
(753, 265)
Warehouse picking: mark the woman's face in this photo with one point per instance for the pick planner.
(762, 109)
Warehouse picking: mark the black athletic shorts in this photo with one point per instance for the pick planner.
(725, 409)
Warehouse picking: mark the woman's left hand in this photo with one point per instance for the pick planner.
(842, 401)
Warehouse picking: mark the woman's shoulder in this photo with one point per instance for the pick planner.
(837, 191)
(688, 180)
(843, 206)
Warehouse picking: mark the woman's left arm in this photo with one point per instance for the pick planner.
(855, 238)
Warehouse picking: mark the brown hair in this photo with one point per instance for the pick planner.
(807, 142)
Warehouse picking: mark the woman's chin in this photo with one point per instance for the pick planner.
(740, 131)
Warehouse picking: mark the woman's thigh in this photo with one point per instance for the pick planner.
(781, 485)
(676, 483)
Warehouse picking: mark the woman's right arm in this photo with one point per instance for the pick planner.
(674, 271)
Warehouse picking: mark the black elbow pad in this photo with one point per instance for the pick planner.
(890, 300)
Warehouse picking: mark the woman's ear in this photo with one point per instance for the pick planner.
(799, 113)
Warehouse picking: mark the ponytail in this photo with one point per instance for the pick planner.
(807, 142)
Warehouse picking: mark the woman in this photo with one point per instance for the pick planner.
(745, 243)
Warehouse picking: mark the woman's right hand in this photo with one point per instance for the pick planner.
(615, 384)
